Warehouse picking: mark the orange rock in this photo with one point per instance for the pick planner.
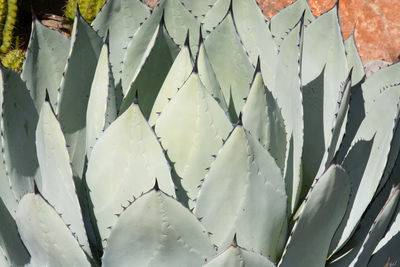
(376, 23)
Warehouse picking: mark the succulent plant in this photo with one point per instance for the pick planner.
(14, 59)
(89, 9)
(8, 17)
(199, 134)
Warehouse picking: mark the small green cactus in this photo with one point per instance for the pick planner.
(14, 59)
(8, 17)
(88, 8)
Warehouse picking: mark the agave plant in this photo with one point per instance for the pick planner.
(199, 134)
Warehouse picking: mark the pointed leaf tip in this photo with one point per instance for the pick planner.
(240, 121)
(156, 187)
(47, 97)
(187, 43)
(35, 188)
(258, 66)
(136, 99)
(107, 40)
(234, 241)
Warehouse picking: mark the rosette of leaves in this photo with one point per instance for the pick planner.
(199, 134)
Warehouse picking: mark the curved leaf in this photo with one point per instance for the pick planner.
(56, 183)
(46, 57)
(366, 165)
(262, 117)
(283, 22)
(257, 38)
(139, 47)
(198, 8)
(378, 228)
(179, 22)
(235, 256)
(244, 173)
(200, 126)
(215, 15)
(51, 243)
(287, 91)
(323, 210)
(75, 88)
(11, 244)
(124, 163)
(177, 75)
(18, 123)
(327, 54)
(121, 18)
(102, 108)
(354, 60)
(230, 62)
(208, 77)
(156, 230)
(151, 76)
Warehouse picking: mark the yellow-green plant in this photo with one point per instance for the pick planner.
(88, 9)
(14, 59)
(8, 17)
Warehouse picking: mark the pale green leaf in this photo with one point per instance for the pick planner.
(262, 117)
(139, 47)
(230, 62)
(253, 29)
(121, 18)
(3, 259)
(179, 21)
(244, 173)
(102, 107)
(156, 230)
(378, 229)
(283, 22)
(199, 127)
(50, 243)
(124, 163)
(348, 254)
(215, 15)
(56, 183)
(323, 210)
(354, 60)
(75, 90)
(328, 54)
(373, 88)
(366, 161)
(18, 124)
(198, 8)
(339, 127)
(235, 256)
(44, 64)
(289, 98)
(208, 77)
(151, 76)
(10, 243)
(314, 143)
(177, 75)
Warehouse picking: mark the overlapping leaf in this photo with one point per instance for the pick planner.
(156, 230)
(124, 163)
(56, 183)
(244, 173)
(200, 126)
(102, 107)
(74, 90)
(121, 18)
(52, 242)
(44, 64)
